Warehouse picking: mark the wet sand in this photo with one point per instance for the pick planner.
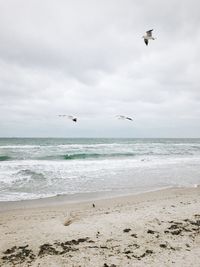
(159, 228)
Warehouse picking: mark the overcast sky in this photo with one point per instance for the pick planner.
(87, 58)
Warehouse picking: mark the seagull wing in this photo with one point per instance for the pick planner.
(128, 118)
(149, 33)
(146, 41)
(121, 117)
(70, 117)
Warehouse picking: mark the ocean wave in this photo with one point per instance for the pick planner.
(31, 173)
(20, 146)
(87, 155)
(4, 158)
(96, 155)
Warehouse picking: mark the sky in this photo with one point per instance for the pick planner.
(87, 58)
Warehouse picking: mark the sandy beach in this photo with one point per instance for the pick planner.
(159, 228)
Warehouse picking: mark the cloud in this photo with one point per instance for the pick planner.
(87, 58)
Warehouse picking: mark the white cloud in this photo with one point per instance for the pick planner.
(87, 58)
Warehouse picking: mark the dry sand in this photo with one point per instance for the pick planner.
(159, 228)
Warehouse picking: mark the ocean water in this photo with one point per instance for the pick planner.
(32, 168)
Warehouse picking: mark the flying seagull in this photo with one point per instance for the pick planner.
(74, 119)
(122, 117)
(148, 36)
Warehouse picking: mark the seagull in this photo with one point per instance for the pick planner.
(74, 119)
(148, 36)
(122, 117)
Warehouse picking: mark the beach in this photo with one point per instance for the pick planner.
(99, 134)
(160, 228)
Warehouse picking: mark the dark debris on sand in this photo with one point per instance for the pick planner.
(21, 254)
(60, 248)
(18, 255)
(112, 265)
(24, 255)
(178, 228)
(126, 230)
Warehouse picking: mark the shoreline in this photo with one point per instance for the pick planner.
(78, 198)
(159, 228)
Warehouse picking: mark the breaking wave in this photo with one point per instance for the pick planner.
(4, 158)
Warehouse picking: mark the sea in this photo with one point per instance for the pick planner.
(33, 168)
